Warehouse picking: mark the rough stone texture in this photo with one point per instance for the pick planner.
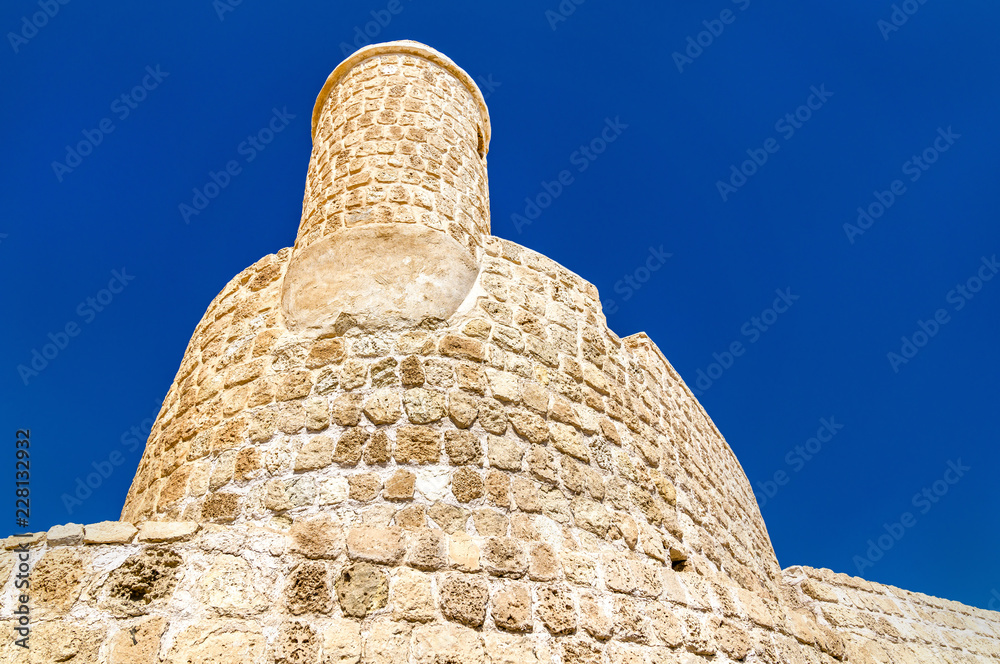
(449, 460)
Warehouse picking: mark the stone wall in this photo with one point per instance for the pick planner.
(406, 441)
(323, 590)
(885, 624)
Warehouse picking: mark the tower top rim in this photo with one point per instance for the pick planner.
(403, 47)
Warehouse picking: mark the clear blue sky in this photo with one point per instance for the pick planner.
(880, 96)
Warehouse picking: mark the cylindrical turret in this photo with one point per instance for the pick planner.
(396, 188)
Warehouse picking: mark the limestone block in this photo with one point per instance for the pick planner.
(166, 531)
(109, 532)
(67, 535)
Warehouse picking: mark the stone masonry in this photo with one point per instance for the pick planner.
(406, 441)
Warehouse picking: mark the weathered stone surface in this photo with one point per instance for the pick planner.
(407, 441)
(362, 588)
(412, 596)
(317, 537)
(57, 579)
(512, 608)
(233, 588)
(377, 545)
(165, 531)
(308, 590)
(144, 578)
(463, 599)
(67, 535)
(140, 644)
(109, 532)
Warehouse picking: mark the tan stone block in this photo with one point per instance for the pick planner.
(462, 409)
(317, 414)
(378, 449)
(262, 425)
(362, 588)
(109, 532)
(568, 441)
(346, 410)
(471, 377)
(342, 642)
(463, 552)
(67, 535)
(350, 446)
(630, 623)
(423, 406)
(364, 487)
(594, 619)
(497, 487)
(144, 581)
(512, 608)
(543, 563)
(166, 531)
(504, 386)
(220, 507)
(400, 486)
(411, 372)
(417, 444)
(53, 641)
(464, 598)
(248, 466)
(505, 556)
(387, 643)
(591, 516)
(222, 471)
(232, 588)
(492, 416)
(316, 453)
(377, 545)
(426, 549)
(222, 644)
(555, 609)
(382, 407)
(526, 495)
(580, 568)
(461, 348)
(541, 465)
(666, 626)
(412, 517)
(528, 425)
(411, 596)
(317, 537)
(452, 519)
(140, 644)
(490, 523)
(308, 590)
(463, 447)
(296, 642)
(56, 581)
(324, 352)
(466, 485)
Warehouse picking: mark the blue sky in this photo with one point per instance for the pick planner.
(722, 219)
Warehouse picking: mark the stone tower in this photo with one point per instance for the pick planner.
(406, 441)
